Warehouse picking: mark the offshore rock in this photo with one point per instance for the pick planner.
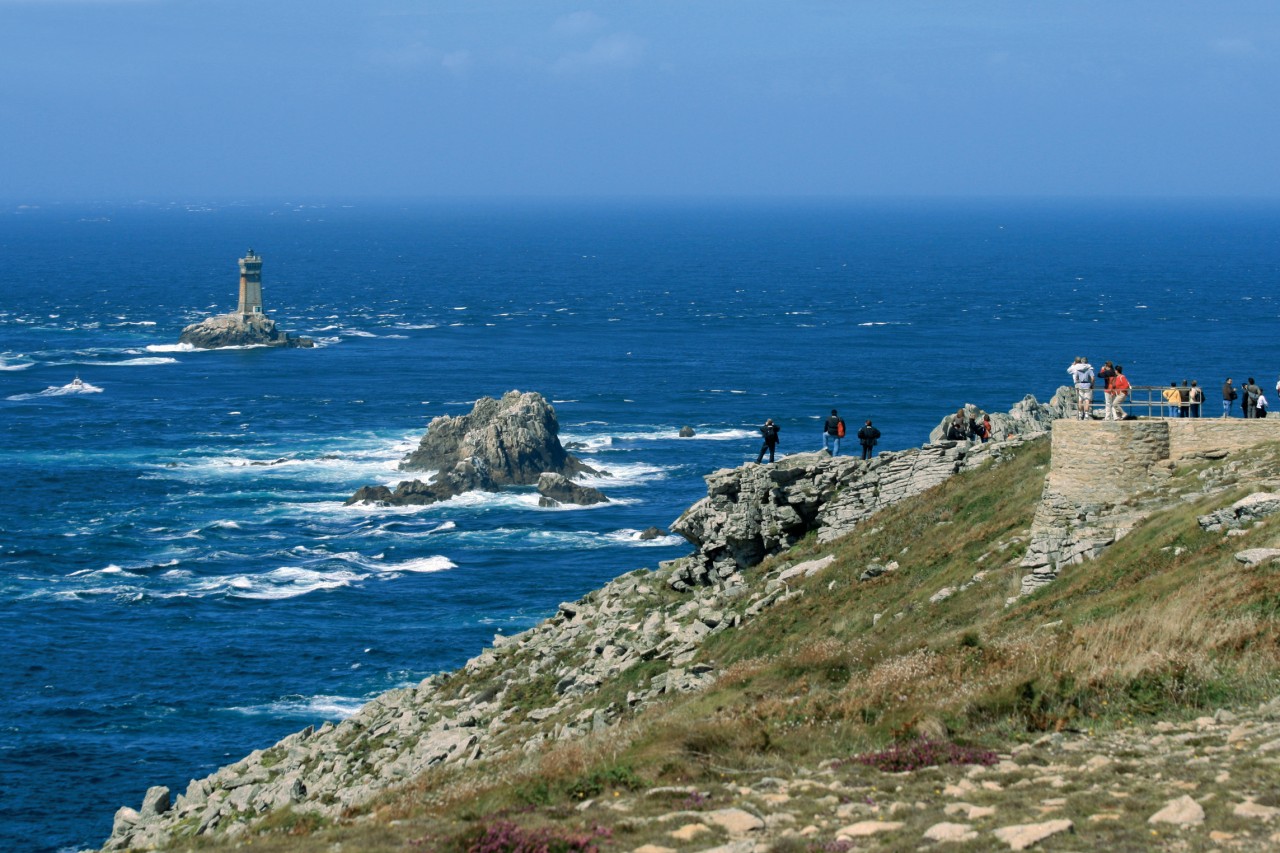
(517, 437)
(511, 441)
(559, 489)
(240, 330)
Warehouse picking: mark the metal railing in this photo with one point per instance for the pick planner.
(1147, 401)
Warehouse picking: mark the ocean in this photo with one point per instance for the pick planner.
(180, 582)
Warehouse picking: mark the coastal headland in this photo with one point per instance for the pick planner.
(1064, 637)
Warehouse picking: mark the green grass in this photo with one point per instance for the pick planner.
(1165, 624)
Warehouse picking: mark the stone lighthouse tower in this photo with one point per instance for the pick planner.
(250, 284)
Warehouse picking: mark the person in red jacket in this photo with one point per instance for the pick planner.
(1120, 385)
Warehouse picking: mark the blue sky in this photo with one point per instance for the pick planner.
(188, 99)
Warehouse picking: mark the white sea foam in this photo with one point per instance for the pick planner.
(8, 362)
(623, 475)
(139, 362)
(632, 537)
(323, 707)
(69, 389)
(288, 582)
(422, 565)
(593, 442)
(171, 348)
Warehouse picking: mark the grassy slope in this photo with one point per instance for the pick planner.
(1164, 625)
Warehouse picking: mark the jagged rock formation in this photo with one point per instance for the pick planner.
(512, 441)
(1027, 417)
(517, 437)
(558, 489)
(239, 330)
(754, 511)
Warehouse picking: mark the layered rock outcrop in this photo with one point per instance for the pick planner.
(240, 330)
(506, 442)
(755, 511)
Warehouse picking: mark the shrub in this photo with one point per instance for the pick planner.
(504, 836)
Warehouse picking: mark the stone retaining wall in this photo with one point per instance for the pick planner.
(1098, 468)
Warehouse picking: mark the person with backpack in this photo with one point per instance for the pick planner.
(1082, 377)
(1197, 399)
(770, 433)
(1119, 385)
(833, 428)
(868, 436)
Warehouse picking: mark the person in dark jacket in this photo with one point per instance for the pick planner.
(769, 431)
(868, 436)
(1228, 397)
(833, 428)
(1250, 397)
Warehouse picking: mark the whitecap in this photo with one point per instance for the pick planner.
(171, 348)
(139, 362)
(623, 475)
(324, 707)
(422, 565)
(632, 537)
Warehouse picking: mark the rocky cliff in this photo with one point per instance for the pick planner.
(239, 330)
(641, 639)
(542, 685)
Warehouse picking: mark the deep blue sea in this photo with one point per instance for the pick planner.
(167, 604)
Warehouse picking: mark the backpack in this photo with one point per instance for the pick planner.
(840, 428)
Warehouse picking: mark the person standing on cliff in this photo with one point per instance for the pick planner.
(1120, 385)
(1171, 400)
(1228, 397)
(769, 431)
(1082, 377)
(1250, 399)
(1197, 399)
(868, 436)
(833, 428)
(1107, 373)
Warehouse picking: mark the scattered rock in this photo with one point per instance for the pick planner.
(559, 489)
(651, 533)
(950, 832)
(863, 828)
(687, 432)
(1022, 836)
(1254, 556)
(1183, 811)
(734, 821)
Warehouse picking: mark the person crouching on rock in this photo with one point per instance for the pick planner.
(868, 435)
(770, 433)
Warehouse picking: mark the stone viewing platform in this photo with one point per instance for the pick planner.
(1100, 469)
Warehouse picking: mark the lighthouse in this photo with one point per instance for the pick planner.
(250, 284)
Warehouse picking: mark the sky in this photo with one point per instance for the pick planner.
(440, 99)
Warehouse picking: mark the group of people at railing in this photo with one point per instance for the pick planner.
(1176, 401)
